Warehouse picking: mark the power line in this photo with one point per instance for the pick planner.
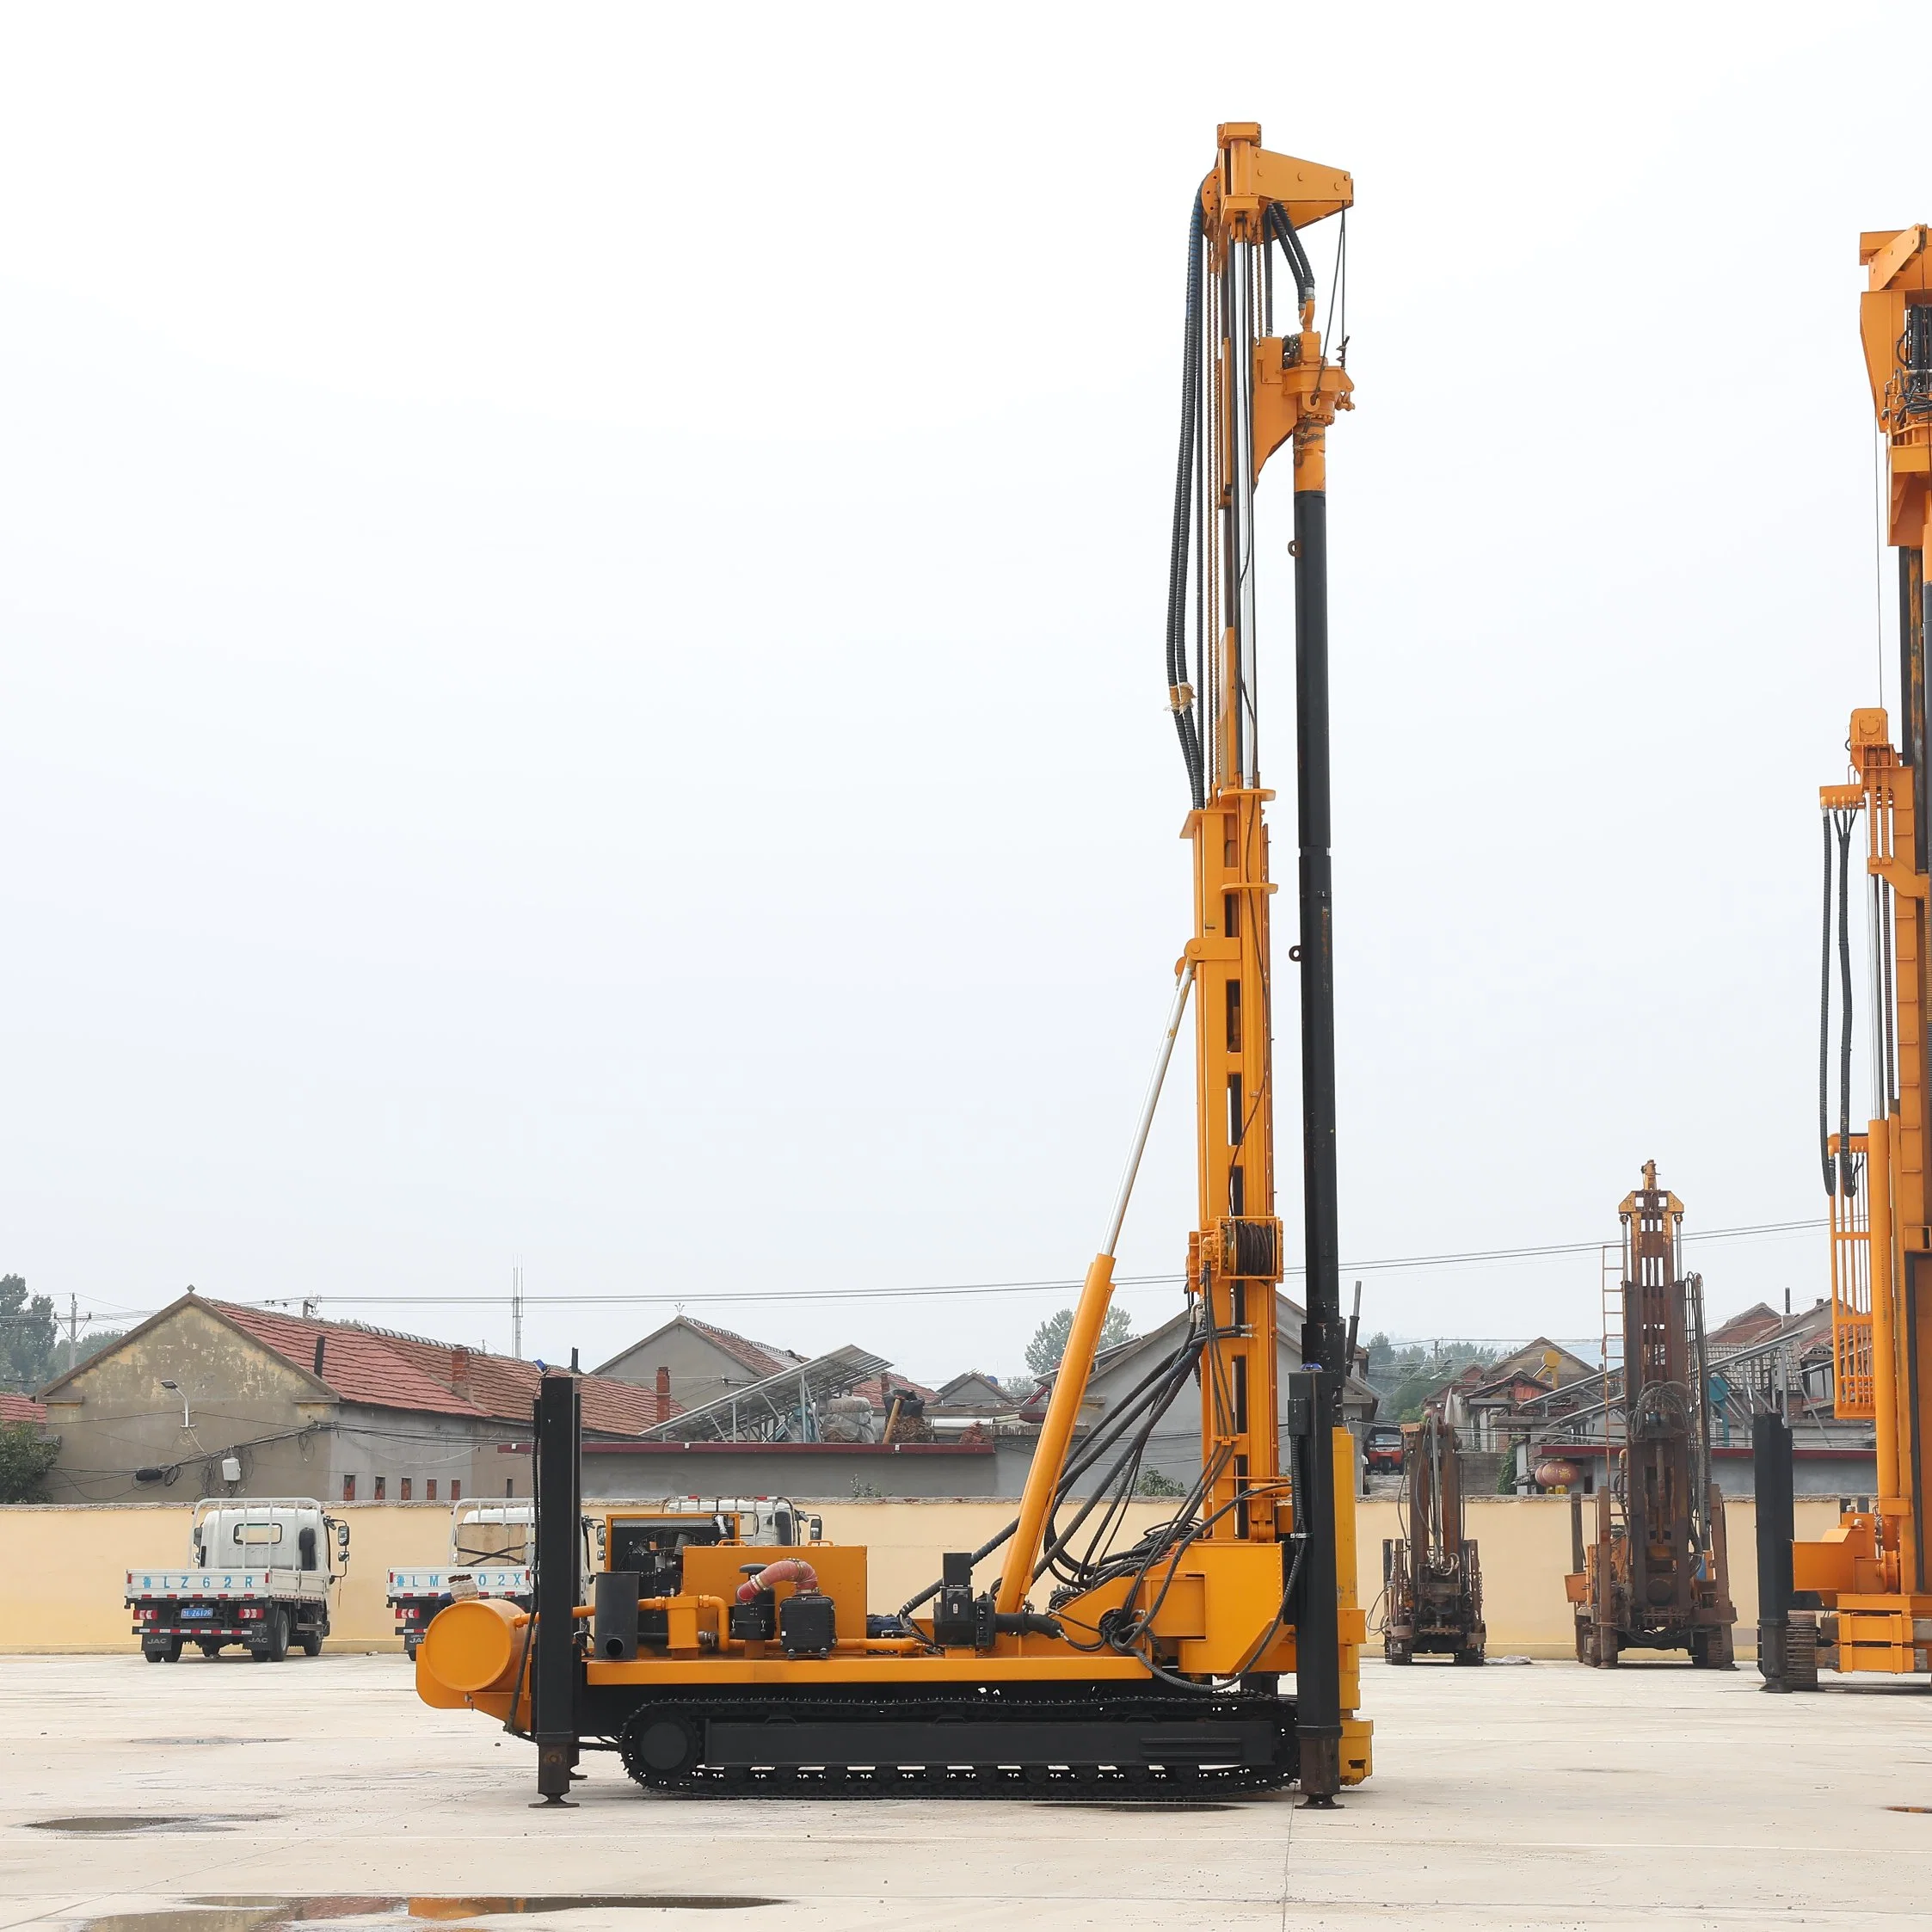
(1466, 1258)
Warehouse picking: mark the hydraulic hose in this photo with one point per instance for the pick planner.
(1179, 1369)
(1847, 1182)
(1824, 1025)
(1128, 1412)
(1282, 231)
(1186, 725)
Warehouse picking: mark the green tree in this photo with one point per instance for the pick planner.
(27, 1336)
(25, 1455)
(87, 1348)
(1049, 1338)
(1427, 1373)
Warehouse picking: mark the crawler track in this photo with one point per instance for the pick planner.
(974, 1745)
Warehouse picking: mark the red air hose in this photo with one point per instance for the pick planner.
(787, 1569)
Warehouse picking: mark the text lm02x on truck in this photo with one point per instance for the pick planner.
(260, 1575)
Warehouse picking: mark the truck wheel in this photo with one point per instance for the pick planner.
(275, 1627)
(311, 1641)
(167, 1651)
(209, 1649)
(411, 1644)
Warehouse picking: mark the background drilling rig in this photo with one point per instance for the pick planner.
(1431, 1578)
(1653, 1573)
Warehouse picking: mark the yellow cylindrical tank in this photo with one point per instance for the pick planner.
(477, 1645)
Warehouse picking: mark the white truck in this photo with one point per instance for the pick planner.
(489, 1556)
(264, 1568)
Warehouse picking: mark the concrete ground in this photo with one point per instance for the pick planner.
(238, 1797)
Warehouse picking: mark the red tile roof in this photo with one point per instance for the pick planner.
(404, 1372)
(758, 1357)
(358, 1365)
(22, 1408)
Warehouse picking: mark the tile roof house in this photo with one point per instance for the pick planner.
(1752, 1324)
(695, 1361)
(975, 1390)
(307, 1407)
(1755, 1359)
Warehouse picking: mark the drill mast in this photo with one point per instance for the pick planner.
(1864, 1602)
(741, 1666)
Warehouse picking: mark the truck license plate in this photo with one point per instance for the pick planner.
(197, 1610)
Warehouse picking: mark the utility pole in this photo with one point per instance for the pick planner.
(516, 1313)
(73, 1328)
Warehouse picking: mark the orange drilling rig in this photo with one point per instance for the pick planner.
(1861, 1598)
(1086, 1660)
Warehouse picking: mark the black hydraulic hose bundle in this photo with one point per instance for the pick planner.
(1825, 1024)
(1279, 227)
(1841, 1176)
(1184, 539)
(1118, 1485)
(1186, 718)
(1847, 1175)
(1143, 1405)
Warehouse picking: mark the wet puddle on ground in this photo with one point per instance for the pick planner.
(120, 1824)
(257, 1912)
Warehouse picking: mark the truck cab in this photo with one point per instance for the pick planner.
(258, 1576)
(489, 1555)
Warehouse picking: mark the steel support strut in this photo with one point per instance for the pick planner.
(1771, 1452)
(1318, 1667)
(553, 1688)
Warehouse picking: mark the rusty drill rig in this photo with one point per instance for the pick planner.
(1655, 1575)
(1432, 1577)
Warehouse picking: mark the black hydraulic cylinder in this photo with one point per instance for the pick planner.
(555, 1672)
(1318, 1663)
(1770, 1455)
(1324, 1339)
(1318, 1667)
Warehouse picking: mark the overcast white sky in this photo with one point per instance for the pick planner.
(581, 599)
